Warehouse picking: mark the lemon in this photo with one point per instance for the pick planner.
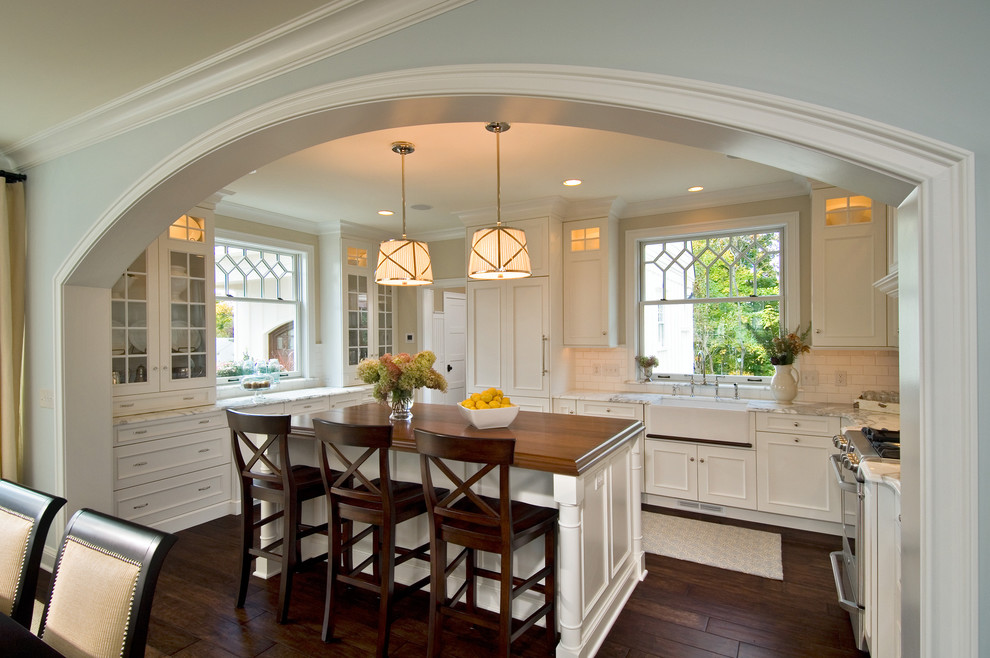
(476, 396)
(468, 404)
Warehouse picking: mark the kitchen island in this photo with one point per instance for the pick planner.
(589, 468)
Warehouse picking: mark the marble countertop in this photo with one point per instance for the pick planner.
(244, 402)
(886, 472)
(851, 415)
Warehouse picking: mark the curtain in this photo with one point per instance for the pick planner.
(12, 271)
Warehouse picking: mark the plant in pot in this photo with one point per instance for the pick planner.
(782, 349)
(647, 364)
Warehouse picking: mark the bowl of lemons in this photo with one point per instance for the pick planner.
(488, 409)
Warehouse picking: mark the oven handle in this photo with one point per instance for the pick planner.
(845, 602)
(837, 469)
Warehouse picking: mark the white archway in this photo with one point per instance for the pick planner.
(937, 261)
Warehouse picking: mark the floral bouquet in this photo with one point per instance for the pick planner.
(782, 348)
(647, 362)
(397, 376)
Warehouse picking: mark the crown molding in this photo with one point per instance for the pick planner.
(329, 30)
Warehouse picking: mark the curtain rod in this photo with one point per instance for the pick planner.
(12, 177)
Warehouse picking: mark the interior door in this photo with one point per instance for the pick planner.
(455, 345)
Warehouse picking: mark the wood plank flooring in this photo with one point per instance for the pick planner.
(682, 609)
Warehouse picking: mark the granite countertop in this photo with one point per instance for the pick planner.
(886, 472)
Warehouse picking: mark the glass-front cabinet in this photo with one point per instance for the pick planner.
(163, 320)
(368, 309)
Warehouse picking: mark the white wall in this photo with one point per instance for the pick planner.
(916, 65)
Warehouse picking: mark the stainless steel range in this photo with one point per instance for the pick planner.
(854, 447)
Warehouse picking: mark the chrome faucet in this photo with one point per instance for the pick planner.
(736, 394)
(692, 385)
(716, 386)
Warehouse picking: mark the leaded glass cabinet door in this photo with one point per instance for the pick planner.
(133, 326)
(188, 311)
(369, 310)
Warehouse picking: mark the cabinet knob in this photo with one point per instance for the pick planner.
(818, 331)
(797, 424)
(691, 459)
(797, 440)
(604, 333)
(702, 461)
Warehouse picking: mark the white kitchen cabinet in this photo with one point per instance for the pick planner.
(849, 254)
(629, 410)
(172, 473)
(509, 335)
(710, 474)
(794, 476)
(163, 319)
(590, 280)
(368, 308)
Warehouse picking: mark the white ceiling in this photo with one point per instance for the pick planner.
(84, 56)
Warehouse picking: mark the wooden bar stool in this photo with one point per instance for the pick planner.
(481, 523)
(376, 500)
(267, 474)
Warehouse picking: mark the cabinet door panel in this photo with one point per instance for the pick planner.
(485, 331)
(671, 469)
(727, 476)
(794, 476)
(527, 320)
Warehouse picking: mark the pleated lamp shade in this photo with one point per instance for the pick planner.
(404, 263)
(499, 252)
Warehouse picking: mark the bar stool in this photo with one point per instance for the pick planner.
(267, 475)
(378, 501)
(480, 523)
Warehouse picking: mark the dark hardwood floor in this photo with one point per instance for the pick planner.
(681, 609)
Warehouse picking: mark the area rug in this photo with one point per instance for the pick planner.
(723, 546)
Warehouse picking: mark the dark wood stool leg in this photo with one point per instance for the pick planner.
(438, 595)
(247, 540)
(289, 552)
(386, 558)
(505, 605)
(334, 560)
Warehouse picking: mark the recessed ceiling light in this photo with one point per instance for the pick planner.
(386, 212)
(571, 182)
(696, 188)
(421, 206)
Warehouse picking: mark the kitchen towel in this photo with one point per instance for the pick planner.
(723, 546)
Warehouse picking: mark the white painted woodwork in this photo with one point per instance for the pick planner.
(708, 474)
(178, 373)
(454, 345)
(727, 476)
(590, 284)
(564, 406)
(794, 476)
(631, 410)
(846, 309)
(509, 331)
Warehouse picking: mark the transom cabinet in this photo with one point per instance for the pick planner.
(590, 265)
(163, 318)
(849, 254)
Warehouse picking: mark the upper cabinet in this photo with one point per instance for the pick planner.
(368, 308)
(163, 321)
(849, 253)
(590, 282)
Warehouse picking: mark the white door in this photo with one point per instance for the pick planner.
(527, 322)
(671, 469)
(727, 476)
(455, 345)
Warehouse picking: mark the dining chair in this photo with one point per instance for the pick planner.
(364, 492)
(102, 587)
(261, 453)
(25, 517)
(466, 518)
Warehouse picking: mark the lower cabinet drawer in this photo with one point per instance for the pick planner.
(139, 404)
(140, 463)
(165, 499)
(308, 406)
(610, 409)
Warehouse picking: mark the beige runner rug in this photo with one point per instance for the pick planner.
(723, 546)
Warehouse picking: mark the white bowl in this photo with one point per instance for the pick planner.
(485, 419)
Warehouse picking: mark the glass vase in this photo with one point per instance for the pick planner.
(401, 403)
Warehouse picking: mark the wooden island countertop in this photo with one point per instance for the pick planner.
(554, 443)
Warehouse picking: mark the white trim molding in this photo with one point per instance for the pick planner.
(937, 284)
(328, 30)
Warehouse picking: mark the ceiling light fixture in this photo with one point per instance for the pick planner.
(696, 188)
(499, 252)
(386, 213)
(403, 262)
(572, 182)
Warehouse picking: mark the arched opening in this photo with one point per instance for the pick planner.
(934, 179)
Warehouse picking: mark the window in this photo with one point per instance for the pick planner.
(259, 307)
(697, 293)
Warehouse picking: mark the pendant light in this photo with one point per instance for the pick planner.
(499, 252)
(404, 262)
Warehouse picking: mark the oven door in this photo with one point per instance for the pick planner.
(846, 568)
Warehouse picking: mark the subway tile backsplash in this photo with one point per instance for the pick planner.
(611, 370)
